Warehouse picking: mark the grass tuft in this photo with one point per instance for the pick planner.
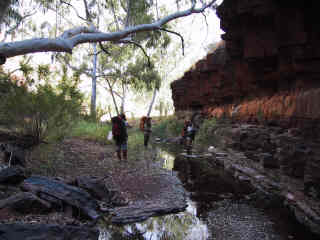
(91, 130)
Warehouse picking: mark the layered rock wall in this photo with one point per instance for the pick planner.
(266, 71)
(267, 68)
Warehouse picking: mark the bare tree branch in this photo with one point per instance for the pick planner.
(109, 90)
(103, 49)
(88, 15)
(104, 75)
(138, 45)
(76, 11)
(112, 95)
(114, 15)
(178, 34)
(73, 37)
(67, 62)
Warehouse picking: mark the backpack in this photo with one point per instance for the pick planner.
(142, 121)
(118, 129)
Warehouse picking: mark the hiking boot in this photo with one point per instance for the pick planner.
(124, 152)
(119, 155)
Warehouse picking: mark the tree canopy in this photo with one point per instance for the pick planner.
(88, 33)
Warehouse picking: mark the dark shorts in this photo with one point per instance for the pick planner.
(121, 145)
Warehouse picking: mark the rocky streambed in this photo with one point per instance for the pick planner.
(283, 163)
(242, 189)
(39, 207)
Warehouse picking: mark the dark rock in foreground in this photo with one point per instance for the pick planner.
(58, 191)
(25, 203)
(170, 197)
(48, 232)
(12, 175)
(95, 186)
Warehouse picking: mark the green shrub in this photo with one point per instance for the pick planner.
(91, 130)
(170, 127)
(205, 133)
(44, 113)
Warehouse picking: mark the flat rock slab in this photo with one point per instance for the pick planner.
(170, 197)
(48, 232)
(74, 196)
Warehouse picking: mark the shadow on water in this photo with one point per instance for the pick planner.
(219, 208)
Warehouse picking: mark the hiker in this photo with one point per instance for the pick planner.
(188, 134)
(188, 130)
(120, 135)
(145, 126)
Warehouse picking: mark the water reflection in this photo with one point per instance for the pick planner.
(217, 209)
(181, 226)
(166, 159)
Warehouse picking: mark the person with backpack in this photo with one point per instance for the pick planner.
(120, 135)
(145, 126)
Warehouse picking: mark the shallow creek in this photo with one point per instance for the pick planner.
(219, 208)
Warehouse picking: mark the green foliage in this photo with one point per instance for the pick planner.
(169, 127)
(127, 65)
(91, 130)
(141, 76)
(135, 142)
(43, 72)
(204, 134)
(46, 113)
(26, 69)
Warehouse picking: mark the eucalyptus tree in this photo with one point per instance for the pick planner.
(114, 58)
(128, 71)
(130, 24)
(123, 14)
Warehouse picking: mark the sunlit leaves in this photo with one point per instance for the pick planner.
(43, 71)
(141, 77)
(26, 69)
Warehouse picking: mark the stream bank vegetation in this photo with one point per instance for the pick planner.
(172, 126)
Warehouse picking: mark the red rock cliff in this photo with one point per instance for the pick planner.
(268, 64)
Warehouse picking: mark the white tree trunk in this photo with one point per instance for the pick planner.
(152, 101)
(113, 98)
(94, 81)
(123, 99)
